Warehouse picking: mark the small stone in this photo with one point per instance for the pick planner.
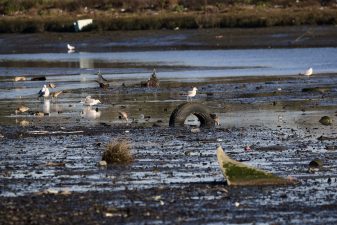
(195, 130)
(103, 163)
(315, 165)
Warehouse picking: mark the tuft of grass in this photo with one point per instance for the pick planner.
(118, 152)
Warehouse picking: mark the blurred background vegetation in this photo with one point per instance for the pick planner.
(59, 15)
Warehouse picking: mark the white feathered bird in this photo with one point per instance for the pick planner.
(70, 47)
(191, 93)
(308, 72)
(44, 92)
(88, 101)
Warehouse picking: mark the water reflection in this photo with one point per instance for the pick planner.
(46, 106)
(90, 113)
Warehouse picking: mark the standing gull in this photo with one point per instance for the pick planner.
(191, 93)
(308, 72)
(44, 92)
(70, 47)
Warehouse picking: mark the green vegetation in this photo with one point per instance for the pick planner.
(240, 175)
(23, 16)
(237, 173)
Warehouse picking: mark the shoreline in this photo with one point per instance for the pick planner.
(225, 38)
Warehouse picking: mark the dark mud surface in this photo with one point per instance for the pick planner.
(175, 176)
(273, 37)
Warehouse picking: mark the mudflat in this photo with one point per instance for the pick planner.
(49, 164)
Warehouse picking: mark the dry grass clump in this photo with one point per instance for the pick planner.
(118, 151)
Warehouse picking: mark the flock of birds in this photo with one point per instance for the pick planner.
(88, 102)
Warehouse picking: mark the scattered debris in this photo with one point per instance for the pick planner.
(19, 78)
(324, 138)
(237, 173)
(42, 78)
(102, 163)
(117, 151)
(247, 148)
(316, 89)
(55, 164)
(331, 147)
(195, 130)
(315, 165)
(21, 109)
(80, 24)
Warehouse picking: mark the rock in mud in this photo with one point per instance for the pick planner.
(316, 89)
(326, 120)
(315, 165)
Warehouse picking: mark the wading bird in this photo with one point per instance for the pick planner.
(191, 93)
(123, 115)
(70, 47)
(44, 92)
(308, 72)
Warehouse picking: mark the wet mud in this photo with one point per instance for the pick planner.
(50, 173)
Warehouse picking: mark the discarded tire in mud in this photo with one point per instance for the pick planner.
(201, 111)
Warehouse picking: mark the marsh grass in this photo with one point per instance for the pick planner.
(235, 17)
(118, 152)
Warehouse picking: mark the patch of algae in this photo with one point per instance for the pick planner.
(238, 173)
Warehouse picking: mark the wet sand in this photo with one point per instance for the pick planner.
(175, 177)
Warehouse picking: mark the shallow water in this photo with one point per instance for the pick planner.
(77, 70)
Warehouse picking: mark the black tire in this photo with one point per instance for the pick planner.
(201, 111)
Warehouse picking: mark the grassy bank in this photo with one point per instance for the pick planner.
(232, 17)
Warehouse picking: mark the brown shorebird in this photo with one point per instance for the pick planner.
(123, 115)
(51, 85)
(21, 109)
(102, 85)
(100, 77)
(56, 94)
(215, 118)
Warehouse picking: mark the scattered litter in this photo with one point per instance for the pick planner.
(237, 173)
(237, 204)
(53, 132)
(102, 163)
(195, 130)
(55, 164)
(19, 78)
(247, 148)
